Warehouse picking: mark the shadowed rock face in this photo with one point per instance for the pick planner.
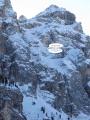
(6, 9)
(24, 58)
(10, 104)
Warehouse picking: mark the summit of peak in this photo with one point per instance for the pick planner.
(55, 8)
(53, 12)
(52, 9)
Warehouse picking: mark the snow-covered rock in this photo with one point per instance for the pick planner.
(57, 81)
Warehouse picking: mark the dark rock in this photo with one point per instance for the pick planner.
(11, 104)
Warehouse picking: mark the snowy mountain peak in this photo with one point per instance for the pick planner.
(53, 8)
(51, 84)
(54, 12)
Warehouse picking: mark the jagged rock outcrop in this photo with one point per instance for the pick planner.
(10, 104)
(24, 56)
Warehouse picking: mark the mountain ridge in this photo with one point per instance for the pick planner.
(61, 80)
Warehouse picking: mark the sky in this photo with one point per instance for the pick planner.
(30, 8)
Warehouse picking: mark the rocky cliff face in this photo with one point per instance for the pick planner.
(25, 59)
(10, 104)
